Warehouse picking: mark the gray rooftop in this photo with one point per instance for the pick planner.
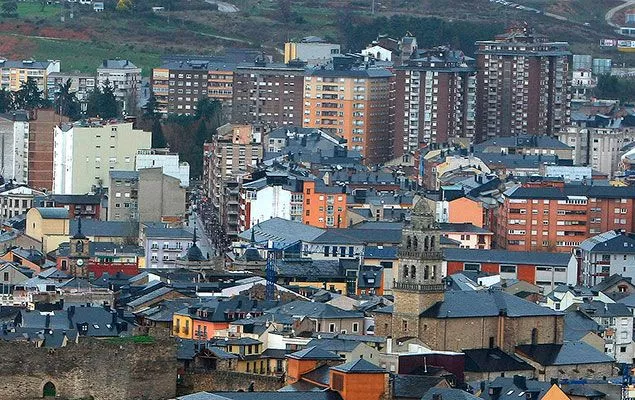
(506, 256)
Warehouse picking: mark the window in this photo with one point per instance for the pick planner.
(404, 324)
(471, 267)
(355, 327)
(326, 251)
(331, 327)
(6, 277)
(338, 382)
(508, 268)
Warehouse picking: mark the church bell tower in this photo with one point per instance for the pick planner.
(79, 253)
(418, 282)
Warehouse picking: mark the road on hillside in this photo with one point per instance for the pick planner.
(610, 13)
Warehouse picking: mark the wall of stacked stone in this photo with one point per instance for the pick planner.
(91, 369)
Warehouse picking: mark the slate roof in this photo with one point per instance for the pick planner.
(75, 198)
(611, 242)
(605, 310)
(503, 388)
(449, 394)
(160, 232)
(98, 321)
(578, 390)
(217, 309)
(370, 277)
(359, 236)
(117, 64)
(281, 231)
(493, 360)
(334, 345)
(577, 325)
(507, 257)
(53, 213)
(314, 353)
(568, 353)
(149, 297)
(312, 269)
(484, 303)
(359, 366)
(552, 193)
(97, 228)
(320, 375)
(127, 175)
(314, 310)
(607, 282)
(414, 386)
(461, 227)
(104, 247)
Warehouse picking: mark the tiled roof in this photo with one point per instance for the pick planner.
(314, 310)
(383, 252)
(281, 231)
(507, 257)
(461, 227)
(414, 386)
(612, 280)
(161, 232)
(493, 360)
(553, 193)
(97, 228)
(359, 366)
(449, 394)
(568, 353)
(484, 303)
(314, 353)
(611, 242)
(53, 212)
(577, 325)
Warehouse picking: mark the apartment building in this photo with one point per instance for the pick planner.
(606, 254)
(355, 102)
(178, 85)
(13, 73)
(599, 148)
(16, 201)
(81, 84)
(85, 153)
(78, 205)
(146, 195)
(522, 85)
(234, 152)
(14, 146)
(435, 99)
(557, 217)
(280, 194)
(41, 146)
(169, 163)
(268, 95)
(164, 246)
(312, 49)
(125, 79)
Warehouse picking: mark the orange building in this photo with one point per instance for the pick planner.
(464, 209)
(324, 206)
(355, 380)
(355, 103)
(284, 195)
(553, 216)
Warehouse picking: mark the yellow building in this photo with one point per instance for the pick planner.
(48, 226)
(14, 73)
(182, 326)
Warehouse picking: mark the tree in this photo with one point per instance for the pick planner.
(102, 103)
(9, 8)
(284, 10)
(108, 102)
(158, 138)
(124, 5)
(66, 102)
(6, 100)
(29, 97)
(612, 87)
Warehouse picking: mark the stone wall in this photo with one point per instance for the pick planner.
(89, 369)
(228, 381)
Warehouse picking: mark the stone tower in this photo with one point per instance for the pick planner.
(79, 253)
(418, 281)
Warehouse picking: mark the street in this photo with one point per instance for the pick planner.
(204, 242)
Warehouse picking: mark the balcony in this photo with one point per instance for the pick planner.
(416, 287)
(420, 255)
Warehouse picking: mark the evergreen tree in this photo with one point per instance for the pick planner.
(29, 97)
(108, 102)
(158, 138)
(66, 102)
(6, 100)
(93, 103)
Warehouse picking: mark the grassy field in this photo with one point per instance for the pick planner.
(87, 56)
(143, 37)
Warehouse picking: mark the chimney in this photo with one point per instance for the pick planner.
(520, 382)
(47, 321)
(389, 344)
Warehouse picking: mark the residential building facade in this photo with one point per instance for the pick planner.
(522, 85)
(354, 102)
(85, 154)
(125, 79)
(14, 146)
(41, 148)
(14, 73)
(81, 85)
(557, 217)
(167, 161)
(268, 95)
(435, 99)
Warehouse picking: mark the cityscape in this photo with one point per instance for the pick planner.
(360, 215)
